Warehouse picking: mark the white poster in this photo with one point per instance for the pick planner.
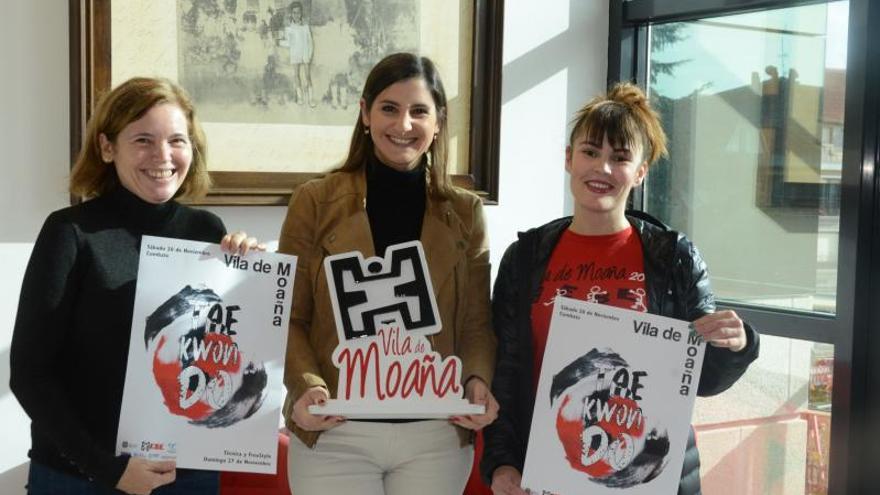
(614, 402)
(206, 359)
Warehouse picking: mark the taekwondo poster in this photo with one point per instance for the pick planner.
(614, 402)
(205, 363)
(385, 314)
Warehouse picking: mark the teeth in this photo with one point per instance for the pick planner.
(160, 174)
(401, 141)
(599, 185)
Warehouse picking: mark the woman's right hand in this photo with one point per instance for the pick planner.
(142, 476)
(311, 422)
(506, 481)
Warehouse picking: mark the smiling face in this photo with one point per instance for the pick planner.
(403, 121)
(152, 155)
(601, 178)
(296, 12)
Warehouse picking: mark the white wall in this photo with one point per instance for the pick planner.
(34, 140)
(554, 60)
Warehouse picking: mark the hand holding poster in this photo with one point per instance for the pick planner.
(384, 310)
(614, 402)
(203, 381)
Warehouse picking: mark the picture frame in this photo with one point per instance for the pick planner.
(91, 73)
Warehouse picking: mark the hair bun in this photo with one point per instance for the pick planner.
(628, 94)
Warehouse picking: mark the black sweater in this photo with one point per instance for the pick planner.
(70, 341)
(395, 204)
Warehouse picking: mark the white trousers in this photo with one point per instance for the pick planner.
(367, 458)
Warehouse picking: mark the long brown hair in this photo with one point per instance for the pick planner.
(123, 105)
(625, 117)
(391, 69)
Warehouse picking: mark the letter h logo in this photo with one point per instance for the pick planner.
(367, 294)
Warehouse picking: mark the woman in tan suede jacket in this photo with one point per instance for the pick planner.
(392, 188)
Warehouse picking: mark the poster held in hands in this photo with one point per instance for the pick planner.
(206, 357)
(614, 402)
(385, 313)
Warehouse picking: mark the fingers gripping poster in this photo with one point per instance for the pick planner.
(205, 362)
(614, 402)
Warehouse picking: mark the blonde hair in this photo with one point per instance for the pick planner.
(625, 117)
(126, 103)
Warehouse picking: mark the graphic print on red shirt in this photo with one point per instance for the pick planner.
(605, 269)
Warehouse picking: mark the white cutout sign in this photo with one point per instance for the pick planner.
(385, 311)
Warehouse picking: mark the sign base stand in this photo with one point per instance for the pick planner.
(422, 409)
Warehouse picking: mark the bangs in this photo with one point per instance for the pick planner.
(613, 121)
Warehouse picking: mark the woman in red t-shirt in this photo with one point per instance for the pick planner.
(607, 255)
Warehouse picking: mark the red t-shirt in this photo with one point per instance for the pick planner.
(605, 269)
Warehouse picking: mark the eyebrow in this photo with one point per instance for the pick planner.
(597, 145)
(151, 135)
(414, 105)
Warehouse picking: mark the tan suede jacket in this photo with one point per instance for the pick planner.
(328, 216)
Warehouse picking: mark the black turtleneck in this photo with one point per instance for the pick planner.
(395, 204)
(70, 341)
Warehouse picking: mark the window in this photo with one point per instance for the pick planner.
(752, 103)
(774, 122)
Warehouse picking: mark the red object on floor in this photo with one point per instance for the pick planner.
(475, 485)
(259, 484)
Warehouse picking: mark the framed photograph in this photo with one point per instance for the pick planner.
(277, 82)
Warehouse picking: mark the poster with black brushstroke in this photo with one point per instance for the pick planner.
(206, 356)
(614, 402)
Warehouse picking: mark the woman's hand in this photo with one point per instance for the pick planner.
(142, 476)
(506, 481)
(722, 329)
(477, 392)
(308, 421)
(239, 242)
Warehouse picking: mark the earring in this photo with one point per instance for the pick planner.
(366, 130)
(435, 137)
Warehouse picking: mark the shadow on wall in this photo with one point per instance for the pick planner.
(14, 479)
(4, 374)
(551, 57)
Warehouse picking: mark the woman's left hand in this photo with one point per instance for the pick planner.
(239, 242)
(477, 392)
(722, 329)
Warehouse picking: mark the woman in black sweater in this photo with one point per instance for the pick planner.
(143, 148)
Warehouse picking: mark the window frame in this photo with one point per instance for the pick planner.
(856, 398)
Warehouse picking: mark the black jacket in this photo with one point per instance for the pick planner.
(677, 285)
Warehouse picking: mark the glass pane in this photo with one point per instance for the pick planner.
(753, 105)
(770, 434)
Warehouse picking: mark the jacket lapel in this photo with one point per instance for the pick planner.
(442, 243)
(351, 234)
(443, 246)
